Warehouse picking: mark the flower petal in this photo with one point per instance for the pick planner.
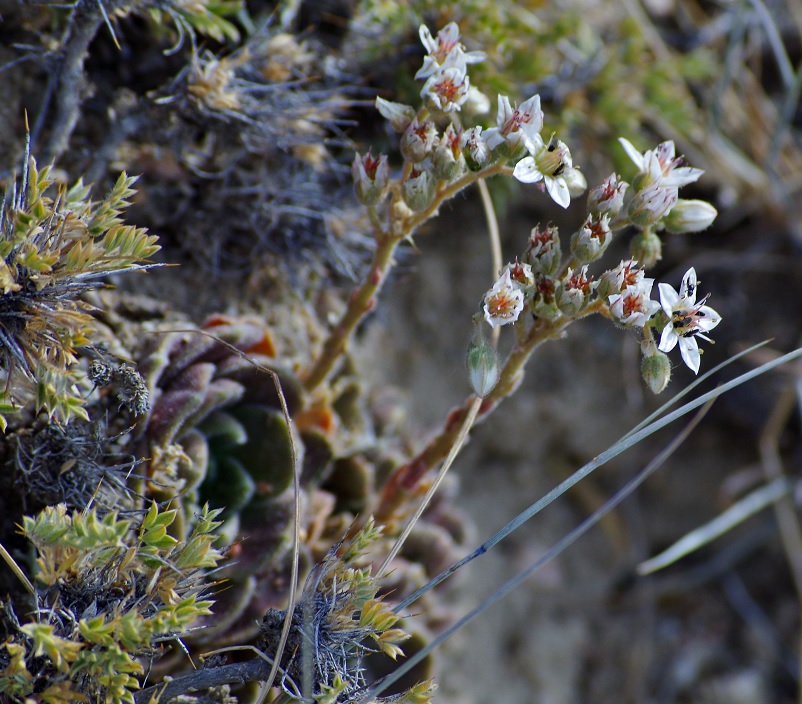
(526, 171)
(558, 190)
(427, 39)
(682, 176)
(707, 318)
(668, 340)
(668, 298)
(689, 349)
(688, 289)
(504, 110)
(632, 153)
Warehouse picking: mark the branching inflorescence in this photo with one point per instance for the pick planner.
(441, 158)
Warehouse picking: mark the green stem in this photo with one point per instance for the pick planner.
(404, 480)
(363, 299)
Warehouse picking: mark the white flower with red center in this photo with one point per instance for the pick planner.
(447, 89)
(688, 320)
(660, 164)
(445, 50)
(504, 302)
(547, 163)
(608, 197)
(514, 126)
(633, 306)
(521, 274)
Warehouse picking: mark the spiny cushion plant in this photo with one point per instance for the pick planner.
(55, 245)
(111, 591)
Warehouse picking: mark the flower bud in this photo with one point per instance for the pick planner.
(689, 216)
(576, 182)
(543, 252)
(447, 160)
(656, 370)
(400, 212)
(574, 292)
(544, 304)
(647, 248)
(651, 204)
(371, 178)
(475, 149)
(521, 275)
(616, 280)
(419, 189)
(418, 141)
(397, 114)
(589, 242)
(607, 198)
(482, 364)
(477, 103)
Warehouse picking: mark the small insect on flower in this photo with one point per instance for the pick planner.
(688, 320)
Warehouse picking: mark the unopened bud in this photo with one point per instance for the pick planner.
(474, 148)
(543, 252)
(589, 242)
(646, 248)
(447, 160)
(689, 216)
(418, 190)
(573, 294)
(656, 370)
(371, 178)
(544, 304)
(418, 141)
(616, 280)
(482, 364)
(651, 204)
(607, 198)
(397, 114)
(576, 182)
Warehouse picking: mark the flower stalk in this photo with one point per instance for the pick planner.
(363, 300)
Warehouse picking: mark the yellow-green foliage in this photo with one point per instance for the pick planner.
(55, 244)
(205, 18)
(115, 589)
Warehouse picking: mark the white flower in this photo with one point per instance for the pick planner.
(447, 89)
(651, 203)
(633, 306)
(688, 320)
(474, 148)
(546, 163)
(514, 126)
(444, 51)
(616, 280)
(608, 197)
(397, 114)
(504, 302)
(660, 164)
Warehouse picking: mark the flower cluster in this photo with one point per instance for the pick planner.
(554, 292)
(444, 67)
(514, 146)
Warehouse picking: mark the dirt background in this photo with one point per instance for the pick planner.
(717, 627)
